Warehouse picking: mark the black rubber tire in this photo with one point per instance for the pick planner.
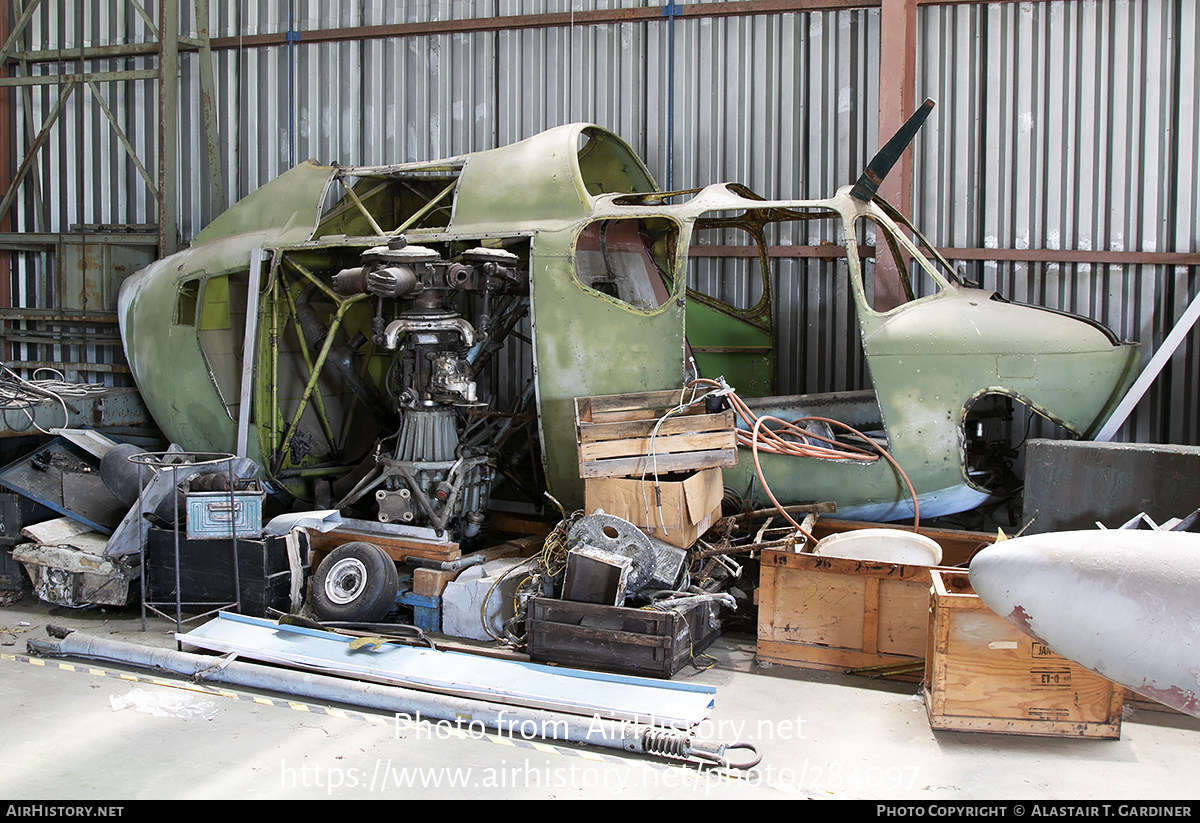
(356, 582)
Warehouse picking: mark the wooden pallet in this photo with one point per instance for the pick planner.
(624, 435)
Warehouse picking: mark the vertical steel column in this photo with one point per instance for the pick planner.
(897, 77)
(168, 127)
(670, 11)
(292, 38)
(208, 107)
(7, 113)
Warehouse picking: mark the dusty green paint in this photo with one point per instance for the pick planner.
(712, 334)
(928, 359)
(285, 209)
(545, 182)
(164, 356)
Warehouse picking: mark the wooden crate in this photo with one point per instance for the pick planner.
(395, 546)
(618, 638)
(984, 675)
(838, 614)
(619, 435)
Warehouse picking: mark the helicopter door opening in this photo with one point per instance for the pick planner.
(730, 323)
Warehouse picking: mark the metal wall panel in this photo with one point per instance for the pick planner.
(1071, 125)
(787, 105)
(1061, 125)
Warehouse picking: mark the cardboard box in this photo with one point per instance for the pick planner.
(984, 675)
(674, 508)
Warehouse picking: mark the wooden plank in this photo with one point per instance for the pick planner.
(662, 464)
(870, 622)
(682, 424)
(641, 416)
(395, 546)
(903, 624)
(432, 582)
(663, 400)
(660, 445)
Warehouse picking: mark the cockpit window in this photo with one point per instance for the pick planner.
(915, 272)
(186, 301)
(629, 260)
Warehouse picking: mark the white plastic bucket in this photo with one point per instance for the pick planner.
(882, 545)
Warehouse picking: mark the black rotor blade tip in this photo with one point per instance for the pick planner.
(883, 161)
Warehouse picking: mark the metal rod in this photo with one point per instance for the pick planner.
(1151, 372)
(312, 278)
(424, 210)
(354, 197)
(273, 425)
(408, 705)
(334, 324)
(31, 155)
(124, 140)
(319, 401)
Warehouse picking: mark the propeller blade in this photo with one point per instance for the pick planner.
(883, 161)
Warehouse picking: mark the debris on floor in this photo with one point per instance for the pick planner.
(164, 704)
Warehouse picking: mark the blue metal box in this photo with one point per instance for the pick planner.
(211, 515)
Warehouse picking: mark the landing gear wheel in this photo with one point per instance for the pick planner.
(356, 582)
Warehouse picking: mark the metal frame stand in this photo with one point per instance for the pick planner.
(174, 461)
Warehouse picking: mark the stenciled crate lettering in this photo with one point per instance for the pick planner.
(983, 674)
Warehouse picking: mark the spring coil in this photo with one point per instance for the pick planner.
(666, 743)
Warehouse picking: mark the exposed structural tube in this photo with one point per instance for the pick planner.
(405, 703)
(446, 565)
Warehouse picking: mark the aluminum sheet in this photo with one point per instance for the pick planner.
(607, 696)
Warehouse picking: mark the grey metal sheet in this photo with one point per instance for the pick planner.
(608, 696)
(62, 477)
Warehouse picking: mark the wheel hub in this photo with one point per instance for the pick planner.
(346, 580)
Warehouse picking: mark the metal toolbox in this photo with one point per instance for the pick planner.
(212, 515)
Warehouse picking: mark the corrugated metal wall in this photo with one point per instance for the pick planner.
(1060, 125)
(1072, 125)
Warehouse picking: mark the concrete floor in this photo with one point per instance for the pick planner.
(87, 731)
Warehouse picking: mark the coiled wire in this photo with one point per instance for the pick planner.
(19, 394)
